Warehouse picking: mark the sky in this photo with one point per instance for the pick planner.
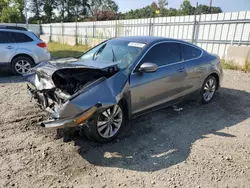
(226, 5)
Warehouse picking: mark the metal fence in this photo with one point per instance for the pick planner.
(213, 32)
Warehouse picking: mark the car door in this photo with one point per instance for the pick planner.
(7, 47)
(192, 57)
(167, 84)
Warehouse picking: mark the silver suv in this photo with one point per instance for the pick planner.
(20, 49)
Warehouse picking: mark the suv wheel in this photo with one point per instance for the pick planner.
(106, 126)
(21, 65)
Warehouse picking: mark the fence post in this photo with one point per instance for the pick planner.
(194, 28)
(62, 33)
(76, 33)
(116, 28)
(50, 33)
(93, 29)
(150, 26)
(40, 30)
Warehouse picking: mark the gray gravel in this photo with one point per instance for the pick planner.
(201, 146)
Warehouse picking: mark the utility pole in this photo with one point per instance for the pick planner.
(26, 14)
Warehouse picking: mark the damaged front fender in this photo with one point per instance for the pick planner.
(108, 93)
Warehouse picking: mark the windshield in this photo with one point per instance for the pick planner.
(123, 52)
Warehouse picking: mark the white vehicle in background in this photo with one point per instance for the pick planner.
(20, 49)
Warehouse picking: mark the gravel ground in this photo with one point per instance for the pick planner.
(202, 146)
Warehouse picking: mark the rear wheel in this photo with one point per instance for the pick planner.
(21, 65)
(208, 89)
(107, 125)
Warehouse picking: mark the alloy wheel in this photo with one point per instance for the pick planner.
(22, 66)
(110, 121)
(209, 89)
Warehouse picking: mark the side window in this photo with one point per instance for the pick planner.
(190, 52)
(5, 37)
(163, 54)
(21, 37)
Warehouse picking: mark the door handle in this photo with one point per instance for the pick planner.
(181, 69)
(9, 47)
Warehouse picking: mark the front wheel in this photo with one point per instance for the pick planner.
(106, 126)
(208, 89)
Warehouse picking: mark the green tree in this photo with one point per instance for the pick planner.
(48, 8)
(61, 7)
(204, 9)
(100, 9)
(36, 8)
(19, 5)
(10, 15)
(172, 12)
(216, 10)
(186, 8)
(3, 4)
(76, 9)
(162, 4)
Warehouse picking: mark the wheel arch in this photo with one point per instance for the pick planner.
(126, 105)
(24, 55)
(216, 77)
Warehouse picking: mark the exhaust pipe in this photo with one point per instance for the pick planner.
(57, 124)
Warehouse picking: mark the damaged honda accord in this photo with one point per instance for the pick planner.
(120, 79)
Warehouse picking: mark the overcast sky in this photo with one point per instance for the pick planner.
(226, 5)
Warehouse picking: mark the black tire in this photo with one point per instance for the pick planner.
(91, 131)
(212, 89)
(18, 59)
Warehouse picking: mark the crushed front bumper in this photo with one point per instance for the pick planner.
(75, 121)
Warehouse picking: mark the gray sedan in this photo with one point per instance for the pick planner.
(120, 79)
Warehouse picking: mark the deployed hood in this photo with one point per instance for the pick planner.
(49, 75)
(51, 67)
(64, 60)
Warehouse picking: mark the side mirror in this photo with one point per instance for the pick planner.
(148, 67)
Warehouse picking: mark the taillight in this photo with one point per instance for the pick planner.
(42, 45)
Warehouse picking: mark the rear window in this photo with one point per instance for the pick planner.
(190, 52)
(21, 37)
(5, 37)
(37, 37)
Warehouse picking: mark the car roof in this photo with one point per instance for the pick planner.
(147, 39)
(16, 30)
(10, 27)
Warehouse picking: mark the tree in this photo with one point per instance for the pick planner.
(154, 6)
(49, 6)
(103, 9)
(19, 5)
(204, 9)
(3, 4)
(172, 12)
(162, 4)
(215, 10)
(186, 8)
(10, 15)
(36, 8)
(61, 7)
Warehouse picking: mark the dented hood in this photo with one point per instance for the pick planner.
(49, 68)
(42, 75)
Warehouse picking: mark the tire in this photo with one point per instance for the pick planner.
(22, 62)
(208, 89)
(96, 123)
